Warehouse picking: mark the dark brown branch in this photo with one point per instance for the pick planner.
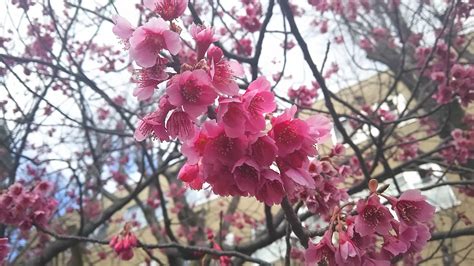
(285, 7)
(295, 223)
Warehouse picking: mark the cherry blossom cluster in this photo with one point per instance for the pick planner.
(23, 207)
(234, 151)
(244, 47)
(304, 96)
(235, 155)
(333, 69)
(124, 243)
(42, 41)
(408, 148)
(167, 9)
(461, 148)
(352, 235)
(223, 260)
(459, 82)
(328, 176)
(454, 80)
(382, 114)
(25, 4)
(239, 220)
(253, 11)
(349, 9)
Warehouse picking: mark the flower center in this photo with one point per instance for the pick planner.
(287, 133)
(255, 105)
(155, 40)
(407, 211)
(191, 92)
(166, 9)
(225, 145)
(372, 215)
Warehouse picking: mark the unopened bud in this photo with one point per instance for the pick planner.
(373, 184)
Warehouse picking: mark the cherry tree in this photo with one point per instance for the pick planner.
(106, 106)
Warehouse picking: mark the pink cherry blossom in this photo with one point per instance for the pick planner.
(412, 208)
(222, 148)
(321, 253)
(337, 150)
(373, 217)
(319, 131)
(244, 47)
(368, 261)
(44, 188)
(148, 40)
(167, 9)
(366, 45)
(122, 29)
(323, 28)
(379, 33)
(119, 177)
(333, 69)
(409, 149)
(154, 123)
(246, 174)
(347, 253)
(258, 100)
(92, 208)
(193, 148)
(233, 116)
(180, 125)
(252, 24)
(191, 174)
(394, 245)
(192, 91)
(149, 78)
(288, 133)
(21, 207)
(263, 150)
(415, 237)
(203, 36)
(221, 180)
(326, 195)
(270, 188)
(291, 134)
(251, 21)
(124, 243)
(223, 72)
(294, 171)
(303, 96)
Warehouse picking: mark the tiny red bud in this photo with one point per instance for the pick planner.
(373, 184)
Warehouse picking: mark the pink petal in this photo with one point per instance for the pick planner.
(123, 29)
(237, 68)
(173, 42)
(150, 4)
(300, 178)
(143, 93)
(260, 84)
(229, 88)
(140, 134)
(142, 54)
(156, 25)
